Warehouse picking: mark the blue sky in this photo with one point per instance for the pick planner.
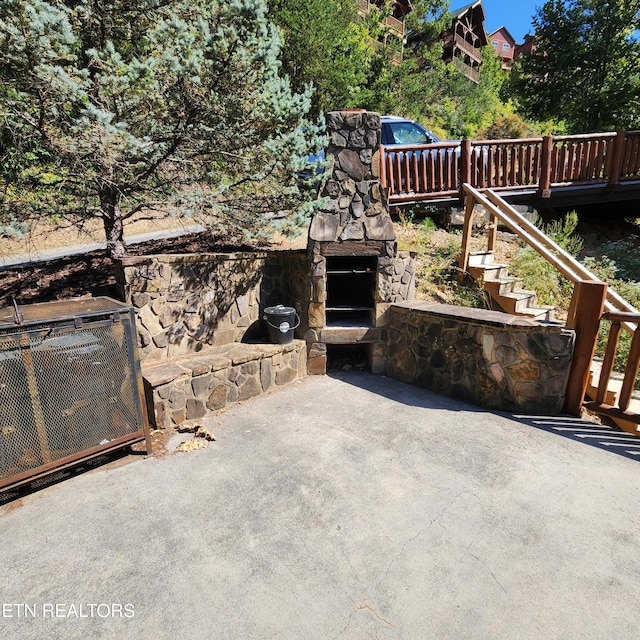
(515, 15)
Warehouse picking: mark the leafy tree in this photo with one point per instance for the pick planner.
(325, 45)
(114, 108)
(584, 68)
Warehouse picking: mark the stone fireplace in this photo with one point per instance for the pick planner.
(357, 271)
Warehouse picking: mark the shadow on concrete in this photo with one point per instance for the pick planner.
(407, 394)
(119, 456)
(604, 437)
(595, 435)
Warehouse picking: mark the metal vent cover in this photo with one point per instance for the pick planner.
(70, 387)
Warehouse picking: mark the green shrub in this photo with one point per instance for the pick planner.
(626, 256)
(541, 276)
(437, 274)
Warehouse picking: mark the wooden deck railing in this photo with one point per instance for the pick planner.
(416, 173)
(599, 404)
(434, 170)
(592, 300)
(467, 48)
(395, 26)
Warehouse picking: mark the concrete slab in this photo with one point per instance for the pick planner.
(341, 507)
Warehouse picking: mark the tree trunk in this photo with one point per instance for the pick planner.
(113, 223)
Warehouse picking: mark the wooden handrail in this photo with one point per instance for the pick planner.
(568, 266)
(592, 300)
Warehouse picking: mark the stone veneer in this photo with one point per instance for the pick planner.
(202, 339)
(190, 385)
(187, 303)
(489, 358)
(354, 221)
(356, 208)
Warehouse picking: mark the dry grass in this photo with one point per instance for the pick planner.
(46, 235)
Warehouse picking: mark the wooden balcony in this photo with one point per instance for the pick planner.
(470, 72)
(395, 26)
(467, 49)
(396, 56)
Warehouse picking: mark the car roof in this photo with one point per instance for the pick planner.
(395, 119)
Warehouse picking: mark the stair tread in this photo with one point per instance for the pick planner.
(504, 288)
(537, 310)
(487, 266)
(518, 295)
(503, 280)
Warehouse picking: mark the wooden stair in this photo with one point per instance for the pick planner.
(613, 388)
(505, 290)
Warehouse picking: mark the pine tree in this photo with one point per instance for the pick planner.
(584, 69)
(118, 108)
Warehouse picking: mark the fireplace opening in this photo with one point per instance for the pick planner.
(351, 286)
(348, 357)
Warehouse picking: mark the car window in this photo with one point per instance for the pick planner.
(409, 133)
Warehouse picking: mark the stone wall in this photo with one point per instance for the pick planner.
(185, 303)
(193, 384)
(489, 358)
(356, 209)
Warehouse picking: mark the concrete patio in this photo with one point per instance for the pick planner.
(345, 506)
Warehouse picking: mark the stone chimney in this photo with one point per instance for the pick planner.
(356, 272)
(356, 209)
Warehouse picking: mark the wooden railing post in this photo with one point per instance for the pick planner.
(463, 258)
(630, 372)
(382, 167)
(465, 165)
(617, 153)
(544, 186)
(587, 306)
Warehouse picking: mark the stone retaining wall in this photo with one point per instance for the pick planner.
(187, 303)
(489, 358)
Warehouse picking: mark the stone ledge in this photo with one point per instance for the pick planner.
(479, 316)
(130, 261)
(350, 335)
(187, 386)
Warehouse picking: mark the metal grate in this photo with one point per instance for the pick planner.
(69, 389)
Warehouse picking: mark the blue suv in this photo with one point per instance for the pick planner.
(396, 131)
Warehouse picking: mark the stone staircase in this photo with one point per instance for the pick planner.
(505, 290)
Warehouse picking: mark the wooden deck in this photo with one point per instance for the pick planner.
(548, 171)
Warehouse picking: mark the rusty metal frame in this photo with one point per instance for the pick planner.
(26, 326)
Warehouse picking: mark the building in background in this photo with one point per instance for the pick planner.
(395, 23)
(507, 48)
(464, 40)
(504, 44)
